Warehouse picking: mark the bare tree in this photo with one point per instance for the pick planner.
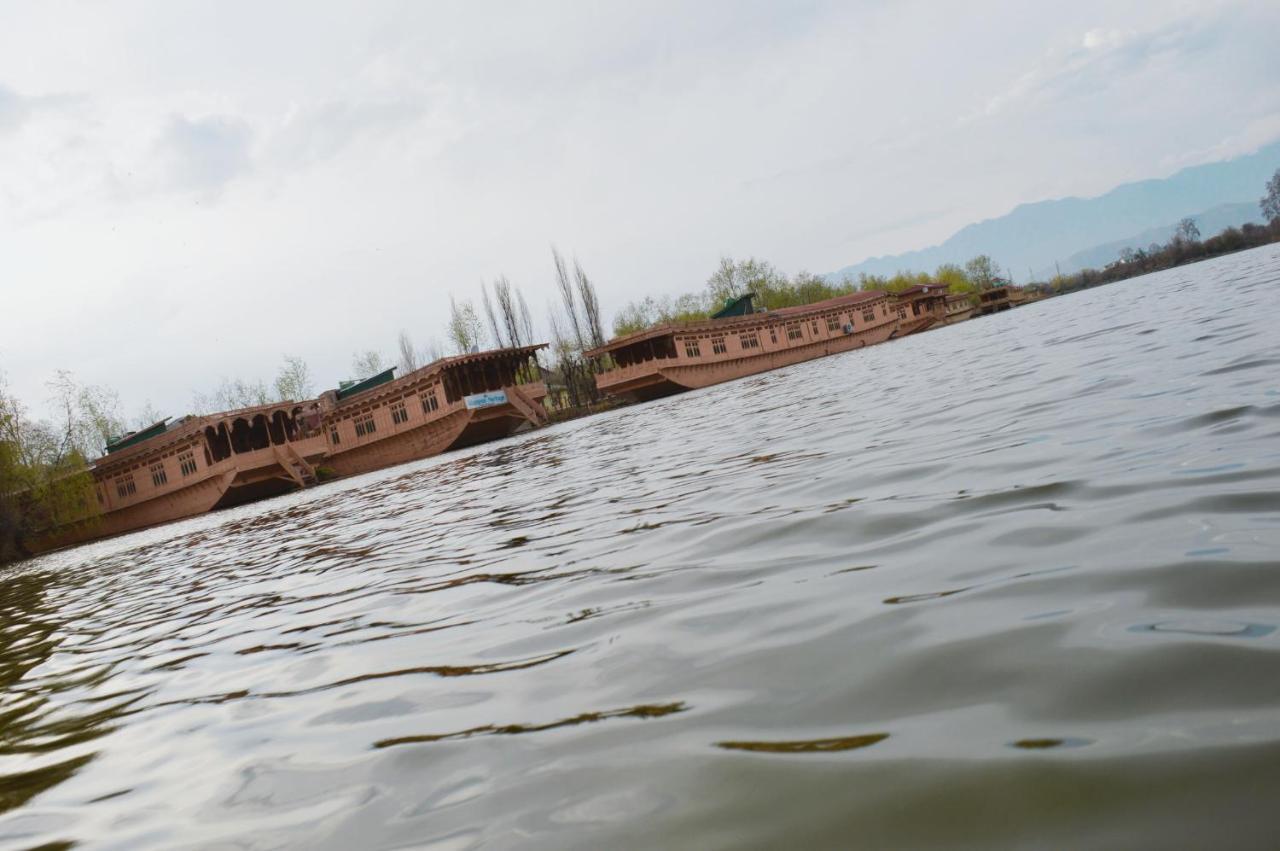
(148, 416)
(590, 306)
(366, 364)
(1270, 202)
(565, 284)
(293, 381)
(526, 321)
(230, 395)
(494, 327)
(409, 358)
(508, 311)
(1187, 231)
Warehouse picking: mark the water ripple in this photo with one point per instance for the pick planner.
(1029, 560)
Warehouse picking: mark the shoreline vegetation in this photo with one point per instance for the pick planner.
(44, 463)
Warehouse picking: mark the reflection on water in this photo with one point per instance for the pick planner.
(1010, 582)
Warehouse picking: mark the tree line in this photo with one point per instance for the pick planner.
(774, 289)
(1185, 246)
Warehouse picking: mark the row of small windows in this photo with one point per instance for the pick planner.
(399, 414)
(795, 331)
(125, 486)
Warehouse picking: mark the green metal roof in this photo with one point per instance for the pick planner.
(740, 306)
(138, 436)
(348, 389)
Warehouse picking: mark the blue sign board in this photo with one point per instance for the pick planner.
(486, 400)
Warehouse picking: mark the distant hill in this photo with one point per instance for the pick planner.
(1034, 236)
(1209, 222)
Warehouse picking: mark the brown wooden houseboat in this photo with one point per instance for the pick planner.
(169, 471)
(173, 470)
(451, 403)
(673, 358)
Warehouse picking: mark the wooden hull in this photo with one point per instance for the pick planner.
(235, 481)
(455, 430)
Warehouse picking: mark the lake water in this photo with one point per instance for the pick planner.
(1012, 581)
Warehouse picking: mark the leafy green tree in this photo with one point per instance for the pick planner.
(982, 271)
(44, 473)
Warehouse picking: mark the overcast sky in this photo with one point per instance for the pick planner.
(192, 190)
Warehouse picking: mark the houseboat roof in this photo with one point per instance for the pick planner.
(394, 385)
(740, 306)
(348, 389)
(153, 437)
(730, 322)
(923, 289)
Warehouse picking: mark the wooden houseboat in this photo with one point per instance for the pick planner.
(959, 308)
(448, 404)
(673, 358)
(994, 300)
(172, 470)
(924, 305)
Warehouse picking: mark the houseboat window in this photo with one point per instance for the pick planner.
(902, 313)
(718, 346)
(187, 462)
(749, 341)
(429, 402)
(814, 324)
(869, 315)
(794, 332)
(773, 335)
(833, 324)
(125, 486)
(398, 413)
(157, 474)
(691, 349)
(365, 425)
(334, 437)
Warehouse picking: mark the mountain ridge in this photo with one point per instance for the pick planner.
(1037, 234)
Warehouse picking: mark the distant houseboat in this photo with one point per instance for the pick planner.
(451, 403)
(672, 358)
(959, 308)
(924, 305)
(994, 300)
